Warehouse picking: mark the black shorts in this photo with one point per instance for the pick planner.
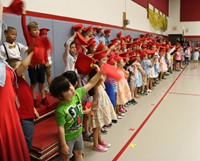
(37, 74)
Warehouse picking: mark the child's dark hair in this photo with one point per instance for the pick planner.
(130, 62)
(8, 29)
(71, 76)
(59, 85)
(73, 42)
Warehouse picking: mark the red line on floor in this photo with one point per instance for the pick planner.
(190, 94)
(145, 121)
(191, 75)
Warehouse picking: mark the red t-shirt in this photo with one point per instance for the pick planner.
(25, 97)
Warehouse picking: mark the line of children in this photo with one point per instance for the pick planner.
(26, 110)
(136, 80)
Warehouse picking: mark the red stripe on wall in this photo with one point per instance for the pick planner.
(192, 36)
(161, 6)
(62, 18)
(189, 10)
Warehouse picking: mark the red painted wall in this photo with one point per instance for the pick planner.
(190, 10)
(161, 5)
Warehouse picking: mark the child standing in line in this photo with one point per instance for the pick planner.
(102, 110)
(36, 71)
(163, 64)
(178, 59)
(196, 57)
(69, 114)
(73, 79)
(70, 54)
(146, 65)
(44, 32)
(140, 82)
(187, 55)
(123, 90)
(132, 69)
(111, 87)
(10, 49)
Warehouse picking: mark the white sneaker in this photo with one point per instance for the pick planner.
(47, 89)
(119, 117)
(149, 91)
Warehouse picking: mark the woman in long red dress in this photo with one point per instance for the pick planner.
(12, 142)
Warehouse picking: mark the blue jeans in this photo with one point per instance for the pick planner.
(28, 129)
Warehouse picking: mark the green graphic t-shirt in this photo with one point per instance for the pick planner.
(70, 115)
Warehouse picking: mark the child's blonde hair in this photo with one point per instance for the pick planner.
(32, 25)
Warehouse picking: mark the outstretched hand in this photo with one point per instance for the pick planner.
(23, 9)
(96, 67)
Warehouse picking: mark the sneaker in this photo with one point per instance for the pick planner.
(167, 73)
(105, 144)
(149, 91)
(45, 101)
(100, 148)
(122, 114)
(37, 104)
(87, 138)
(114, 121)
(104, 131)
(108, 126)
(133, 101)
(126, 105)
(143, 93)
(119, 117)
(47, 89)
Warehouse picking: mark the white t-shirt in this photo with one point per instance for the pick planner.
(14, 50)
(70, 63)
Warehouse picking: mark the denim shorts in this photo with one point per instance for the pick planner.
(28, 129)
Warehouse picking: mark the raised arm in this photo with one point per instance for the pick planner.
(24, 64)
(24, 27)
(93, 81)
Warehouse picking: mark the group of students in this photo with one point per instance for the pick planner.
(20, 97)
(91, 96)
(140, 64)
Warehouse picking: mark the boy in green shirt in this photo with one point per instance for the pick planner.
(69, 114)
